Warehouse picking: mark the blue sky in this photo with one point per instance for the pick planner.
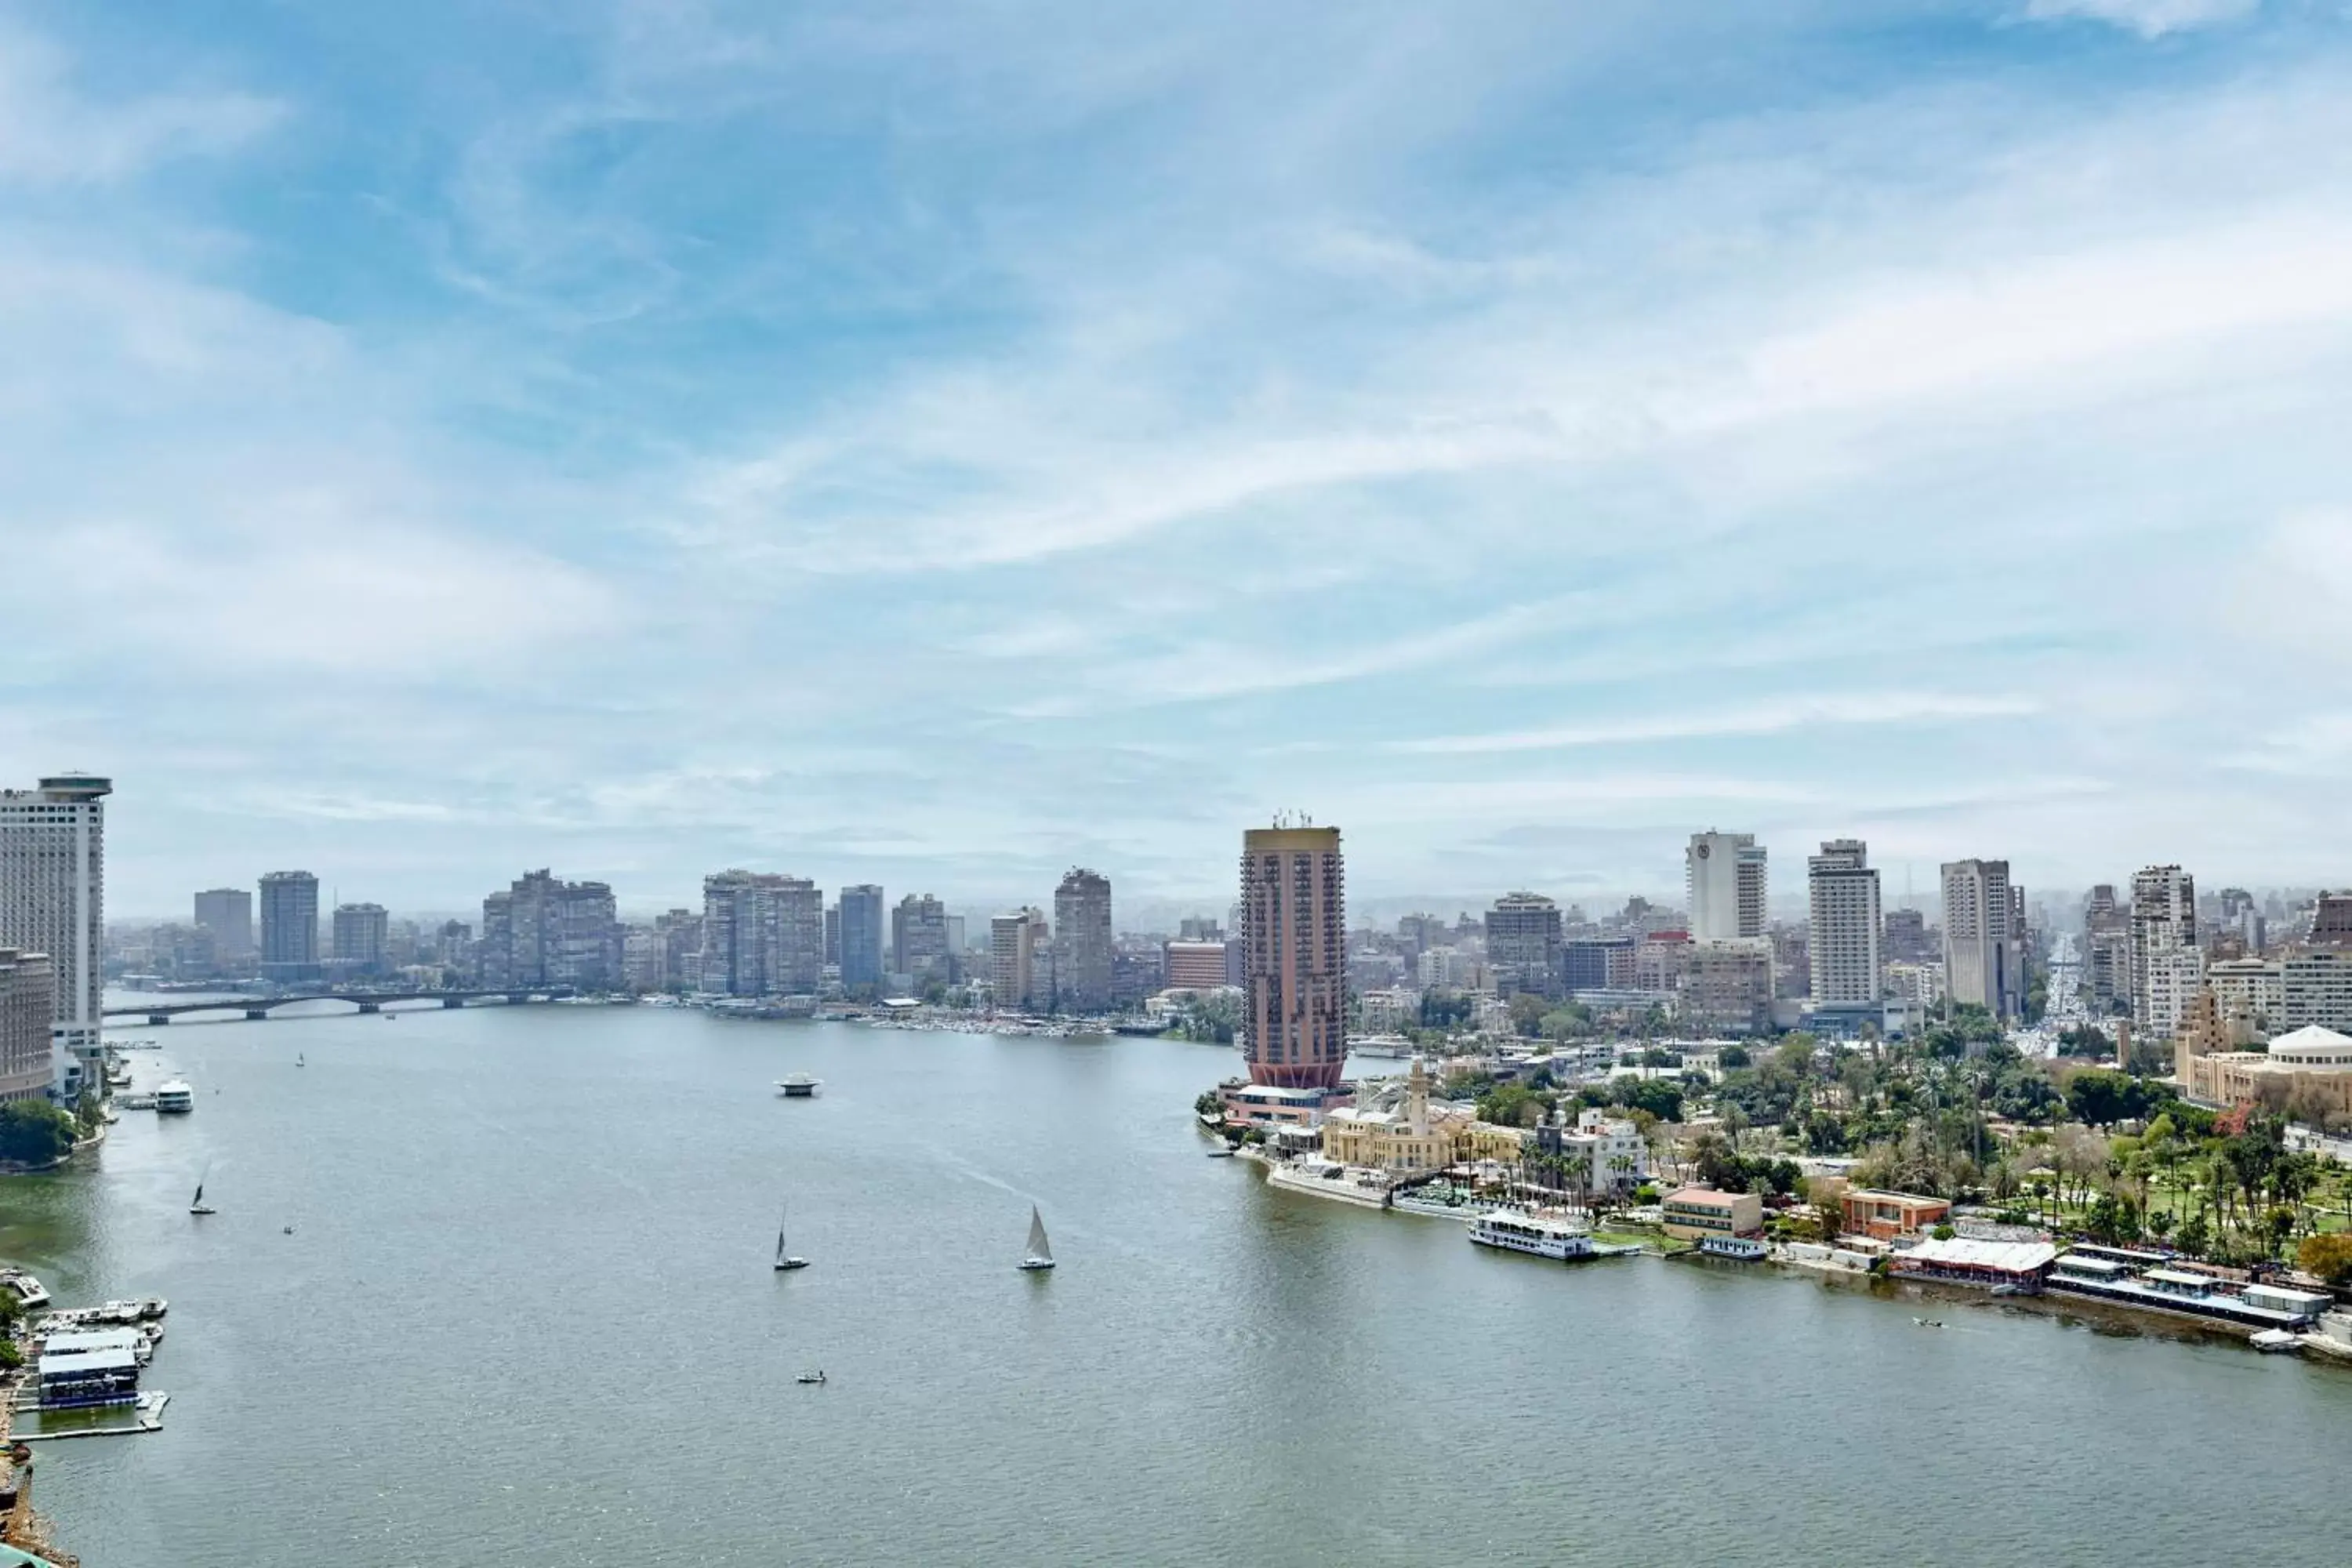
(941, 445)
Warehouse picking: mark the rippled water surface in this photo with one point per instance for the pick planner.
(527, 1316)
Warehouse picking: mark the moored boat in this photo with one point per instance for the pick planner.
(1539, 1236)
(798, 1085)
(176, 1098)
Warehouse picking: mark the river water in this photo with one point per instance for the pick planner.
(527, 1316)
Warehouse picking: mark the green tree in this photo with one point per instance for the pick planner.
(34, 1132)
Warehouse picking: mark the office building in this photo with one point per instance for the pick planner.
(29, 1005)
(53, 901)
(1082, 942)
(833, 935)
(2316, 988)
(2164, 949)
(922, 947)
(361, 937)
(762, 934)
(227, 913)
(1841, 944)
(2331, 922)
(861, 937)
(1723, 875)
(1194, 966)
(1726, 987)
(1983, 966)
(289, 926)
(544, 932)
(1908, 939)
(1293, 931)
(1013, 943)
(2107, 951)
(1523, 945)
(1599, 963)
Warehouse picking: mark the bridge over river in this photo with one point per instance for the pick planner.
(363, 1001)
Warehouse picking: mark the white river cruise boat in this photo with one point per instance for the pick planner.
(176, 1098)
(1540, 1235)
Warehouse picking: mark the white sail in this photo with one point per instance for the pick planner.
(1039, 1251)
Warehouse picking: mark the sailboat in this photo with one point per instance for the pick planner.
(298, 1059)
(784, 1259)
(1040, 1256)
(197, 1204)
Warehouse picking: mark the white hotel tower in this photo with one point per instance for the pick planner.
(53, 900)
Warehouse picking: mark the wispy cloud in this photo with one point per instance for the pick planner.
(2148, 18)
(1769, 717)
(52, 133)
(879, 441)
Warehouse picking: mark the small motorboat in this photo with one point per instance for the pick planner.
(289, 1230)
(798, 1085)
(2275, 1341)
(1220, 1154)
(810, 1377)
(1928, 1322)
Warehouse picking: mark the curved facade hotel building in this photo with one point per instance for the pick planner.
(1294, 956)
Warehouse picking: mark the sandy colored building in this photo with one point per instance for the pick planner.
(1692, 1212)
(2309, 1069)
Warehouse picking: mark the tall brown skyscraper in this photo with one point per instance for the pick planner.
(1295, 944)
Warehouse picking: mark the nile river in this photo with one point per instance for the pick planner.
(527, 1317)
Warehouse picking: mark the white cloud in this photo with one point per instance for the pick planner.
(2148, 18)
(51, 134)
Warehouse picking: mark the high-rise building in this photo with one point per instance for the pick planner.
(289, 926)
(762, 934)
(1523, 944)
(28, 1006)
(1841, 944)
(1082, 942)
(861, 936)
(833, 935)
(361, 935)
(1724, 873)
(227, 913)
(1983, 966)
(53, 901)
(919, 947)
(1293, 933)
(2164, 951)
(1013, 941)
(2107, 951)
(544, 930)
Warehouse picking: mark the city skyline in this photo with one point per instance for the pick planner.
(1590, 459)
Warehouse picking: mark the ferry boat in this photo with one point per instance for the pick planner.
(1738, 1249)
(176, 1098)
(1540, 1235)
(798, 1085)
